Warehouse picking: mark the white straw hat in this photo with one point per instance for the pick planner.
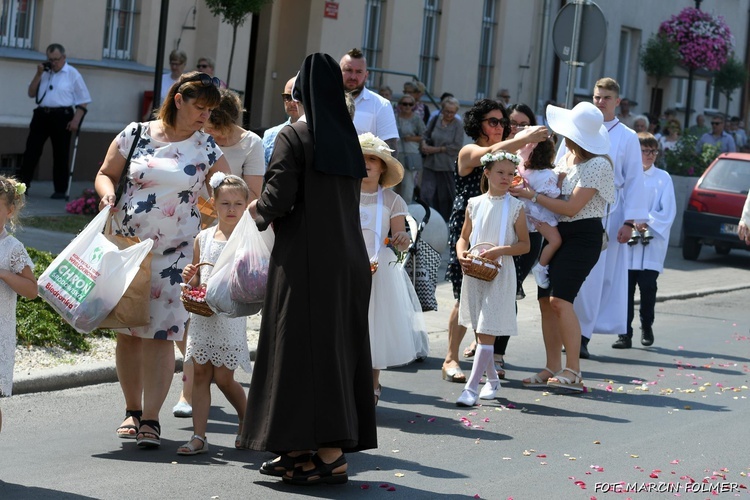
(394, 171)
(584, 125)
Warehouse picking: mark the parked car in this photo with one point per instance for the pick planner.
(715, 206)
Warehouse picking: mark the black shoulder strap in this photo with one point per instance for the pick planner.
(126, 169)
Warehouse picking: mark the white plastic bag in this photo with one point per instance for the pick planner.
(249, 276)
(88, 278)
(218, 296)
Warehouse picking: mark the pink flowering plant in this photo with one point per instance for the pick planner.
(704, 41)
(87, 204)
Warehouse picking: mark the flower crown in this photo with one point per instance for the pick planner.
(500, 155)
(217, 179)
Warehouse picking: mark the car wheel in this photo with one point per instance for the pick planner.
(691, 248)
(722, 250)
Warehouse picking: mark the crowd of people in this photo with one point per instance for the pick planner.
(329, 326)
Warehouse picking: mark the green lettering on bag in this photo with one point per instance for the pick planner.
(72, 281)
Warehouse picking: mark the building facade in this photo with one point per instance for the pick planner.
(470, 48)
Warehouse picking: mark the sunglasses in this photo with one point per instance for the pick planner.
(206, 80)
(409, 104)
(650, 152)
(717, 123)
(202, 66)
(505, 96)
(286, 97)
(494, 122)
(518, 125)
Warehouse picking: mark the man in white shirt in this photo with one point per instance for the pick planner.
(602, 302)
(373, 113)
(61, 96)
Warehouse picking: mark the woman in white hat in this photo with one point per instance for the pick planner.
(395, 315)
(587, 188)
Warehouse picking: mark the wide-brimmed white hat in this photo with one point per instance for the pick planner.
(584, 125)
(394, 171)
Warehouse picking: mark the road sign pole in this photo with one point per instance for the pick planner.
(573, 62)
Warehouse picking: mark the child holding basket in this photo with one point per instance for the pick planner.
(496, 218)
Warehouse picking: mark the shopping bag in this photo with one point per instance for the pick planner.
(133, 308)
(249, 274)
(87, 279)
(218, 296)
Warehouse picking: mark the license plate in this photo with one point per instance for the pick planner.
(729, 229)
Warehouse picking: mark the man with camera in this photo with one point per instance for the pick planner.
(61, 97)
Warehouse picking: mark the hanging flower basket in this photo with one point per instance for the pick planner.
(704, 40)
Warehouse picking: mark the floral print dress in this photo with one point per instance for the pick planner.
(466, 187)
(159, 202)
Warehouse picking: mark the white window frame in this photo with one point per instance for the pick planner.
(118, 29)
(9, 20)
(428, 54)
(486, 48)
(372, 35)
(712, 98)
(624, 61)
(680, 92)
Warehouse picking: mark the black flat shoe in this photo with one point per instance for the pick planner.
(623, 342)
(647, 336)
(584, 352)
(284, 464)
(321, 473)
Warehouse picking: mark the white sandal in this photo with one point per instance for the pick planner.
(562, 382)
(537, 381)
(191, 449)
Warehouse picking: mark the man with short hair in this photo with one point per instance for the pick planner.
(624, 115)
(61, 96)
(601, 305)
(293, 110)
(503, 96)
(699, 128)
(737, 133)
(717, 137)
(374, 113)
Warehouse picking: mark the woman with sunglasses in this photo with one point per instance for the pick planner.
(171, 162)
(206, 65)
(410, 129)
(487, 124)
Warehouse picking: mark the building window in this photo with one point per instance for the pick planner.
(486, 45)
(428, 55)
(711, 101)
(17, 23)
(624, 61)
(118, 29)
(583, 83)
(680, 93)
(371, 37)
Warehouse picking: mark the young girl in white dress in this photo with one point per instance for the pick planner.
(537, 173)
(396, 322)
(488, 307)
(216, 344)
(16, 278)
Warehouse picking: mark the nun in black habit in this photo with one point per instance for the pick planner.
(310, 399)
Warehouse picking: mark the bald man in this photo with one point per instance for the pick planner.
(293, 110)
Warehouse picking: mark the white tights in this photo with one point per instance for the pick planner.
(483, 362)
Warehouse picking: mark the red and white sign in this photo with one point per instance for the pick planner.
(331, 10)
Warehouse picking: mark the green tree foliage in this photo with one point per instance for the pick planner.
(684, 160)
(730, 77)
(234, 12)
(659, 57)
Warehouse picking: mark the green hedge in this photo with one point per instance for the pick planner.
(39, 325)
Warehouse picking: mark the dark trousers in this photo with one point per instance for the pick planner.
(48, 125)
(646, 281)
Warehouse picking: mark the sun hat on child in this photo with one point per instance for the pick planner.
(584, 125)
(372, 145)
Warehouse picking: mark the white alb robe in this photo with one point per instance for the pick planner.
(661, 213)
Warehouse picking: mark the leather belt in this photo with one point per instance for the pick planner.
(61, 109)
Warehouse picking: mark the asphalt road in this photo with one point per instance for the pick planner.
(673, 413)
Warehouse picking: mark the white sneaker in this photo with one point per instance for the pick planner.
(489, 390)
(541, 275)
(467, 398)
(182, 410)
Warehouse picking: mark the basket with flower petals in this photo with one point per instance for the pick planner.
(481, 267)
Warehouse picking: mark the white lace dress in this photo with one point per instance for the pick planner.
(216, 339)
(13, 257)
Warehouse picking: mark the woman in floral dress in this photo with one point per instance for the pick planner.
(171, 162)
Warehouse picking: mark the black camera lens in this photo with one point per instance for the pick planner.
(47, 65)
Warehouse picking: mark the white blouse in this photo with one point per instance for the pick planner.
(595, 173)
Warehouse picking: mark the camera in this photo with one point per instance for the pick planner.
(47, 65)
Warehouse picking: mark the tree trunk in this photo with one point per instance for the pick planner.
(231, 52)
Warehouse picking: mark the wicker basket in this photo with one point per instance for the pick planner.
(192, 305)
(481, 268)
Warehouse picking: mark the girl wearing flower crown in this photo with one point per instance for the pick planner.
(216, 344)
(488, 307)
(16, 278)
(397, 330)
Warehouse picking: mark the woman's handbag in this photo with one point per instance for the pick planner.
(86, 280)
